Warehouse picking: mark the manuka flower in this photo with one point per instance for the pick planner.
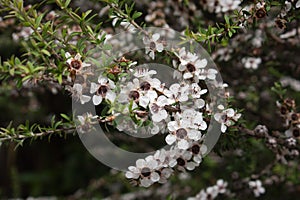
(227, 117)
(103, 90)
(153, 45)
(75, 63)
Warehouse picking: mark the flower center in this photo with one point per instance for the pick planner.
(180, 162)
(195, 149)
(134, 95)
(155, 108)
(283, 110)
(224, 118)
(181, 133)
(76, 64)
(190, 67)
(296, 133)
(102, 90)
(145, 85)
(146, 172)
(294, 117)
(152, 45)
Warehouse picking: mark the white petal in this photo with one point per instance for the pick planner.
(140, 163)
(84, 99)
(155, 177)
(223, 128)
(221, 107)
(77, 56)
(172, 125)
(155, 37)
(102, 80)
(181, 67)
(199, 103)
(187, 75)
(111, 96)
(218, 117)
(152, 55)
(97, 100)
(170, 139)
(298, 4)
(159, 47)
(146, 182)
(94, 88)
(129, 175)
(190, 165)
(67, 55)
(144, 101)
(203, 149)
(81, 119)
(77, 87)
(183, 144)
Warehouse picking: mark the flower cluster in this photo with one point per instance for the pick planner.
(140, 103)
(212, 192)
(291, 117)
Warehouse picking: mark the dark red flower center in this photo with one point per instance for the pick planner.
(145, 86)
(181, 133)
(195, 149)
(134, 94)
(146, 172)
(76, 64)
(102, 90)
(180, 162)
(190, 67)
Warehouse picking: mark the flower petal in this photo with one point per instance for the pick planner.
(170, 139)
(97, 100)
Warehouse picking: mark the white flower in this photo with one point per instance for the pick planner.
(103, 90)
(196, 91)
(198, 151)
(183, 160)
(75, 63)
(153, 45)
(222, 186)
(25, 33)
(227, 117)
(157, 109)
(78, 93)
(212, 192)
(182, 133)
(85, 121)
(251, 62)
(178, 92)
(228, 5)
(291, 141)
(144, 171)
(190, 64)
(207, 74)
(257, 187)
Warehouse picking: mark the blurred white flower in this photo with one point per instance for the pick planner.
(251, 62)
(256, 187)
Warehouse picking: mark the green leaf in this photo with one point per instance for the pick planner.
(136, 15)
(38, 20)
(66, 117)
(47, 53)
